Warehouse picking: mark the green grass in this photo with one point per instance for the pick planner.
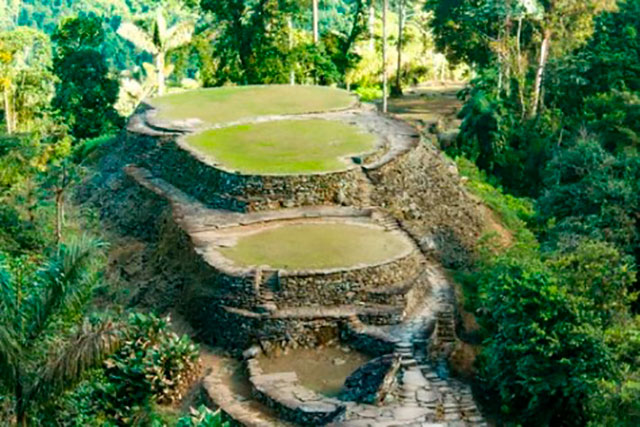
(514, 212)
(221, 105)
(315, 246)
(284, 147)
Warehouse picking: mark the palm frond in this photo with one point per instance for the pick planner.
(87, 350)
(65, 283)
(138, 37)
(160, 27)
(7, 286)
(9, 355)
(179, 35)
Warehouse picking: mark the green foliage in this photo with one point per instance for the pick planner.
(462, 29)
(369, 93)
(601, 276)
(85, 93)
(203, 417)
(88, 147)
(561, 342)
(514, 212)
(590, 193)
(609, 60)
(546, 353)
(25, 77)
(153, 365)
(260, 42)
(619, 404)
(45, 343)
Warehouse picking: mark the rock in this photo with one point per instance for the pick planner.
(339, 361)
(373, 381)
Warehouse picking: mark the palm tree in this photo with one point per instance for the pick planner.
(39, 357)
(159, 42)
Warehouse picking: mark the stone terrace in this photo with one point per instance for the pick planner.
(401, 309)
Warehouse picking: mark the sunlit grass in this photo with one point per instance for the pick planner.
(317, 246)
(226, 104)
(284, 147)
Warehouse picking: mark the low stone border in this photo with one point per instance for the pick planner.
(293, 402)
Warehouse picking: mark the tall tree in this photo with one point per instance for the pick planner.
(565, 22)
(25, 78)
(401, 21)
(159, 41)
(85, 91)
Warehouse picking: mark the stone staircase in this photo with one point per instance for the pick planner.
(264, 286)
(425, 396)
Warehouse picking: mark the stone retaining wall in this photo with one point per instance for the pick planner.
(243, 193)
(346, 287)
(367, 341)
(423, 190)
(373, 381)
(293, 402)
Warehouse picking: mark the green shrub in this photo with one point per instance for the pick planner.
(369, 93)
(546, 354)
(515, 212)
(89, 146)
(154, 364)
(203, 417)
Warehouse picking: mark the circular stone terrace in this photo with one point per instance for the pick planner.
(258, 130)
(211, 107)
(308, 245)
(257, 148)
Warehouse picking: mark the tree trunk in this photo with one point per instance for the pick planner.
(316, 36)
(8, 114)
(21, 410)
(292, 74)
(544, 57)
(59, 214)
(372, 22)
(521, 76)
(398, 88)
(160, 70)
(385, 5)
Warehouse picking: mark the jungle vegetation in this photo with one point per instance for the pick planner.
(549, 138)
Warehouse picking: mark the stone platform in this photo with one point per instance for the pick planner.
(162, 148)
(399, 308)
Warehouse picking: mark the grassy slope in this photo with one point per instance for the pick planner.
(227, 104)
(316, 246)
(284, 147)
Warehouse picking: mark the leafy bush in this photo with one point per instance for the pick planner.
(153, 364)
(89, 146)
(369, 93)
(203, 417)
(590, 194)
(515, 212)
(546, 354)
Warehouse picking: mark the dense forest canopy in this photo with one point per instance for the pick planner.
(549, 137)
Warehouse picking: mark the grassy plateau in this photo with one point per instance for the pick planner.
(226, 104)
(284, 147)
(316, 246)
